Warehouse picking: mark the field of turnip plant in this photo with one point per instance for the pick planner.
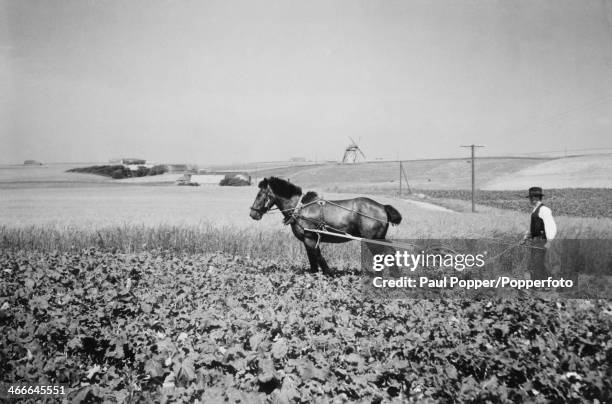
(582, 202)
(117, 327)
(140, 294)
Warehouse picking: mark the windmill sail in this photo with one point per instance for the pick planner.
(352, 152)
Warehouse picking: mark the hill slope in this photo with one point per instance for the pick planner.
(422, 174)
(594, 171)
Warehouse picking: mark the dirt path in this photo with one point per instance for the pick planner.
(388, 200)
(429, 206)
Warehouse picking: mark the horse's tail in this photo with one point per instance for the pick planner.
(393, 216)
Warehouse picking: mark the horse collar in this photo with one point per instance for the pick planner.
(295, 214)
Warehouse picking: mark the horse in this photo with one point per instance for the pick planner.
(358, 217)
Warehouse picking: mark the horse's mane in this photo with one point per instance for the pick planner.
(310, 196)
(281, 187)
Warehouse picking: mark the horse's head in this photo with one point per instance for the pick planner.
(263, 201)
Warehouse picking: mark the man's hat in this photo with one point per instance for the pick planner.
(535, 192)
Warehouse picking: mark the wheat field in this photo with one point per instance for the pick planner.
(208, 219)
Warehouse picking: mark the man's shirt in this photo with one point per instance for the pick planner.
(550, 227)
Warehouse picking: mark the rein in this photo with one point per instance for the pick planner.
(323, 228)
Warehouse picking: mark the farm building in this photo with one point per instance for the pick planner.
(186, 180)
(32, 163)
(128, 161)
(181, 168)
(236, 179)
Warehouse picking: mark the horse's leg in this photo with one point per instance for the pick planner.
(317, 257)
(322, 262)
(311, 251)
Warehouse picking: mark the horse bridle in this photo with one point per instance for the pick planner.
(268, 202)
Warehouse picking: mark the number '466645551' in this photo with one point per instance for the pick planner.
(36, 390)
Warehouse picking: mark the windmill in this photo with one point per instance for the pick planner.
(352, 152)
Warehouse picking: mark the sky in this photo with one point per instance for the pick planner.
(214, 82)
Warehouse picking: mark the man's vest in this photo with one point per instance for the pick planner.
(537, 224)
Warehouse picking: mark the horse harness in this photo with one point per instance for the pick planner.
(297, 214)
(319, 223)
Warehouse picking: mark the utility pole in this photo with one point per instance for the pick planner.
(406, 179)
(402, 173)
(400, 179)
(473, 147)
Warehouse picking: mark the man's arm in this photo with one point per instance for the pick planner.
(550, 227)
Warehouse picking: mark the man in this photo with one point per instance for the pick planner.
(542, 231)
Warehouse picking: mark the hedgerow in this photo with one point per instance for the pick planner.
(121, 171)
